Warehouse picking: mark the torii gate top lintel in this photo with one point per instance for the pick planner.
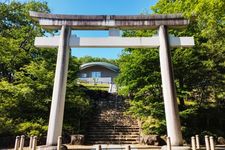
(106, 22)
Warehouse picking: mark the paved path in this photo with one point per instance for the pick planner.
(113, 147)
(119, 147)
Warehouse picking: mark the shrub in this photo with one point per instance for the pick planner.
(6, 126)
(32, 129)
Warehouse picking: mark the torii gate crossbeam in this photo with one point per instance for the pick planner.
(113, 23)
(113, 42)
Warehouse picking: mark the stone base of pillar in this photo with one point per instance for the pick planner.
(45, 147)
(177, 148)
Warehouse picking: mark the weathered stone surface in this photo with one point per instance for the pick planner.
(152, 140)
(77, 139)
(110, 124)
(106, 22)
(221, 140)
(63, 147)
(59, 89)
(177, 148)
(169, 89)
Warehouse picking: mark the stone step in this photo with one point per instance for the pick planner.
(113, 147)
(108, 122)
(105, 138)
(112, 136)
(113, 142)
(116, 130)
(113, 129)
(103, 118)
(113, 114)
(111, 126)
(112, 133)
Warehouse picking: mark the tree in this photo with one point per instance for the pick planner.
(87, 59)
(27, 76)
(22, 66)
(140, 80)
(17, 36)
(199, 71)
(206, 59)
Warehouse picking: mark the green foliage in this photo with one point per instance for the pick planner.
(199, 71)
(103, 87)
(87, 59)
(27, 75)
(148, 108)
(78, 105)
(32, 128)
(76, 113)
(207, 57)
(139, 79)
(201, 120)
(153, 126)
(6, 126)
(17, 33)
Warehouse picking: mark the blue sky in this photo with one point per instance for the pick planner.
(99, 7)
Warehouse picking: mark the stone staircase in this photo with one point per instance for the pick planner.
(111, 125)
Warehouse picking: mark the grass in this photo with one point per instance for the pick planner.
(103, 87)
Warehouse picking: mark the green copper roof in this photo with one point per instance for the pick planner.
(103, 64)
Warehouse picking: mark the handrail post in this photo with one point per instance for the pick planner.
(207, 142)
(59, 143)
(31, 142)
(17, 143)
(197, 142)
(22, 142)
(211, 141)
(168, 143)
(34, 146)
(193, 145)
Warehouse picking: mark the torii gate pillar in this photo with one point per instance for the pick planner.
(169, 91)
(59, 90)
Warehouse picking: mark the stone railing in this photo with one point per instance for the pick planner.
(103, 80)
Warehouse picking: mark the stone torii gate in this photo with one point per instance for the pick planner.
(114, 24)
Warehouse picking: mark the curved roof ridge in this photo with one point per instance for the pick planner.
(103, 64)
